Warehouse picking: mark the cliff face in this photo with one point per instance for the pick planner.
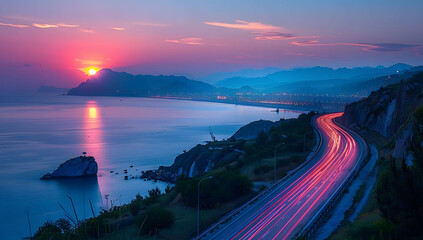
(388, 111)
(200, 159)
(196, 161)
(375, 112)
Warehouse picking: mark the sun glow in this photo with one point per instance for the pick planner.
(92, 71)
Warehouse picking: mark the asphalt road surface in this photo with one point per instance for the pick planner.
(282, 212)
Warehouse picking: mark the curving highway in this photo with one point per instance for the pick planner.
(290, 206)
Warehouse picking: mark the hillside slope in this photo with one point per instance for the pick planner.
(391, 118)
(109, 83)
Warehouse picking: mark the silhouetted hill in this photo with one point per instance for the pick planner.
(245, 73)
(347, 87)
(109, 83)
(311, 74)
(364, 88)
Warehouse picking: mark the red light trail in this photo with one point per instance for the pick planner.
(282, 213)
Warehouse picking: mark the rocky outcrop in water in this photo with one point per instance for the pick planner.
(82, 166)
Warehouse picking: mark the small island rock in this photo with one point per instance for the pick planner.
(82, 166)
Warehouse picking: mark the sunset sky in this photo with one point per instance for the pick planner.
(54, 42)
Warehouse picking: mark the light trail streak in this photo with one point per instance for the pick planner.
(286, 210)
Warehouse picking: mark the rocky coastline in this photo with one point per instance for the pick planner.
(203, 158)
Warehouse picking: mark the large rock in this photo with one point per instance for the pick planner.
(81, 166)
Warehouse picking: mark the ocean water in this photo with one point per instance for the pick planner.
(38, 133)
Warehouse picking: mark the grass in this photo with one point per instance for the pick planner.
(369, 215)
(185, 225)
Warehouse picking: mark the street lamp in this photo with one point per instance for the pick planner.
(274, 171)
(198, 205)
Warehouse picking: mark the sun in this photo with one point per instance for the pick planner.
(92, 71)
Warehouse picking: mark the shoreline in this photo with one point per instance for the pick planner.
(250, 104)
(298, 108)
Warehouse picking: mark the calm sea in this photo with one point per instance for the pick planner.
(38, 133)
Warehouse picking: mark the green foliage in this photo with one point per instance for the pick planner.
(382, 229)
(419, 114)
(168, 189)
(60, 230)
(155, 192)
(262, 169)
(154, 219)
(400, 195)
(135, 207)
(223, 187)
(154, 195)
(262, 138)
(47, 231)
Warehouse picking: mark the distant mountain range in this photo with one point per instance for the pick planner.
(314, 74)
(109, 83)
(305, 81)
(245, 73)
(347, 87)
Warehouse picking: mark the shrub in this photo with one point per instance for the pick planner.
(155, 192)
(154, 219)
(64, 224)
(49, 230)
(223, 187)
(261, 138)
(262, 169)
(419, 114)
(135, 207)
(168, 189)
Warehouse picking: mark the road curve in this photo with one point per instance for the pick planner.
(282, 213)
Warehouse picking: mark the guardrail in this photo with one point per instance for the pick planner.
(236, 211)
(320, 216)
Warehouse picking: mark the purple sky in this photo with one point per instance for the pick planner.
(53, 42)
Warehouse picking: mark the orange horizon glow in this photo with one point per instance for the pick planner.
(90, 70)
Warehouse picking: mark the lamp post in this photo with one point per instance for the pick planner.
(198, 205)
(274, 171)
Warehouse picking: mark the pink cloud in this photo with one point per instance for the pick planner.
(67, 25)
(316, 43)
(188, 41)
(13, 25)
(371, 47)
(151, 24)
(118, 28)
(278, 36)
(38, 25)
(244, 25)
(86, 30)
(301, 54)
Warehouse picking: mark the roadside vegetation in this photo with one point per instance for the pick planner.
(395, 207)
(173, 214)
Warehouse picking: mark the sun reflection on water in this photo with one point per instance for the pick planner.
(93, 142)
